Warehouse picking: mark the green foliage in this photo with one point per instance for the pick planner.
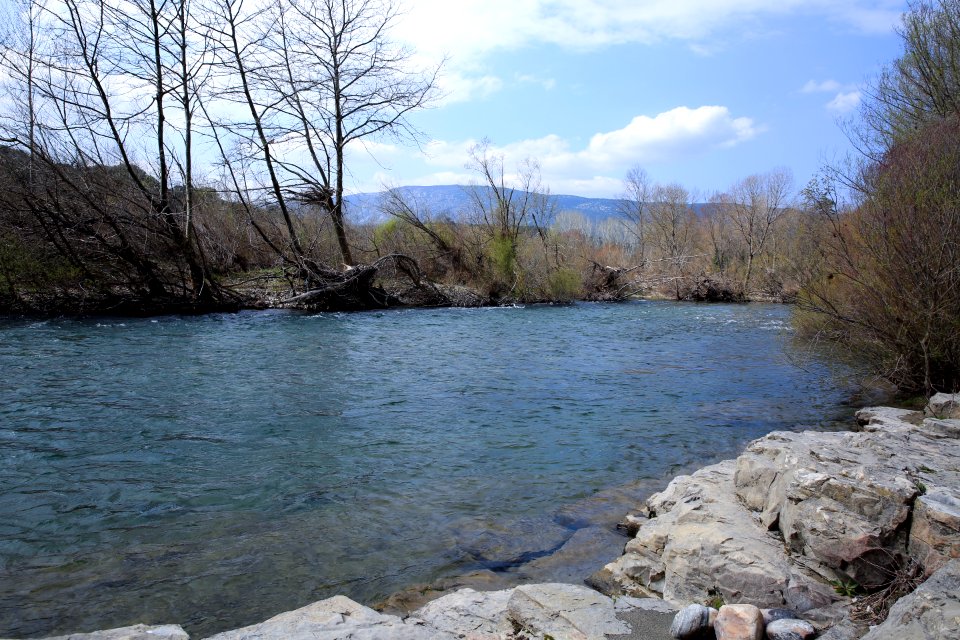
(503, 258)
(564, 285)
(385, 232)
(26, 268)
(847, 588)
(716, 600)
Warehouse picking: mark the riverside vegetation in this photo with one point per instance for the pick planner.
(103, 207)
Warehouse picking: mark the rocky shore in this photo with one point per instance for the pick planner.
(835, 528)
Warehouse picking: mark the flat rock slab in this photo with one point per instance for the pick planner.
(932, 612)
(135, 632)
(468, 614)
(337, 618)
(564, 611)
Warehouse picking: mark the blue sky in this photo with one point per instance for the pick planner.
(700, 92)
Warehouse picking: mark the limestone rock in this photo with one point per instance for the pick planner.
(790, 629)
(690, 622)
(564, 611)
(935, 530)
(739, 622)
(932, 612)
(942, 427)
(703, 542)
(135, 632)
(468, 613)
(336, 618)
(626, 603)
(865, 415)
(944, 405)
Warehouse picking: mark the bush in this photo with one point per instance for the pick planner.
(890, 291)
(564, 285)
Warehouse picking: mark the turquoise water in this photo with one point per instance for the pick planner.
(215, 470)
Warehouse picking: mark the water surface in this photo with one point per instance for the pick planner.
(213, 471)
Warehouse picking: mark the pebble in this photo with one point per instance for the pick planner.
(790, 629)
(690, 621)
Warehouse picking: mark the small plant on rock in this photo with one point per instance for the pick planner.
(848, 588)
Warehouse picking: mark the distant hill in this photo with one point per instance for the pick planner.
(364, 207)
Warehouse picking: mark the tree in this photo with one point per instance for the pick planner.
(635, 206)
(756, 203)
(673, 222)
(920, 87)
(890, 289)
(97, 76)
(317, 78)
(504, 208)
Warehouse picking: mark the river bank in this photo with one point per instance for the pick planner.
(821, 523)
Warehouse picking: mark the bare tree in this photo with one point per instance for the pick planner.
(673, 222)
(635, 206)
(755, 205)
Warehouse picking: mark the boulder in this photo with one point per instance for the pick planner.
(739, 622)
(943, 405)
(844, 500)
(336, 618)
(563, 611)
(703, 542)
(135, 632)
(932, 612)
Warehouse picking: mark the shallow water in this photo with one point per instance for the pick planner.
(213, 471)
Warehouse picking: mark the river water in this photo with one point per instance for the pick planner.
(213, 471)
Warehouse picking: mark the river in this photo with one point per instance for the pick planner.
(212, 471)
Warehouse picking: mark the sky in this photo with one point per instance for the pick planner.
(697, 92)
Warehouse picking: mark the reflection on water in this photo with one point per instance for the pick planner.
(216, 470)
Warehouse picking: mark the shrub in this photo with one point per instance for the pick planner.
(890, 291)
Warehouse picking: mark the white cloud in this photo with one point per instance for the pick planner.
(457, 86)
(682, 132)
(846, 99)
(466, 29)
(548, 84)
(844, 102)
(826, 86)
